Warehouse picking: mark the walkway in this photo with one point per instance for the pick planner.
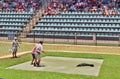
(19, 54)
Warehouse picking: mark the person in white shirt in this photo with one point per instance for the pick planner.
(15, 46)
(38, 50)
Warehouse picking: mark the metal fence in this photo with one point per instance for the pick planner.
(74, 40)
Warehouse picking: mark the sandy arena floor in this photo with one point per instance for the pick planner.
(64, 65)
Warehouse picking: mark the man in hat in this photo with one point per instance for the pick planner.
(15, 46)
(38, 50)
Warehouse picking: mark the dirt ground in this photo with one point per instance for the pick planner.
(64, 65)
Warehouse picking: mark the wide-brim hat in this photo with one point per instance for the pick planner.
(15, 38)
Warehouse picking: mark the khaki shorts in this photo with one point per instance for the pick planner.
(37, 56)
(14, 49)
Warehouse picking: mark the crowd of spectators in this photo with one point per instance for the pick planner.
(19, 5)
(106, 7)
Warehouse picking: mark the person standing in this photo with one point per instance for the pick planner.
(38, 50)
(15, 46)
(33, 56)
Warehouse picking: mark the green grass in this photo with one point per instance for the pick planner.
(4, 48)
(67, 42)
(109, 70)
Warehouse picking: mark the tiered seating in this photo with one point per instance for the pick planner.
(83, 24)
(13, 22)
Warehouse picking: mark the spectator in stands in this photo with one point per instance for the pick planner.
(72, 8)
(94, 1)
(19, 5)
(62, 5)
(104, 1)
(112, 9)
(32, 9)
(118, 7)
(64, 9)
(1, 6)
(118, 1)
(47, 11)
(94, 8)
(106, 10)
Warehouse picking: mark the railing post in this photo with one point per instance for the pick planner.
(75, 40)
(53, 38)
(119, 40)
(68, 38)
(34, 36)
(94, 38)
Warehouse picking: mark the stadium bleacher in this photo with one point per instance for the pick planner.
(15, 14)
(65, 24)
(13, 22)
(83, 24)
